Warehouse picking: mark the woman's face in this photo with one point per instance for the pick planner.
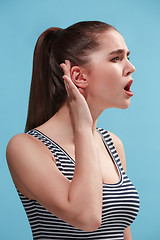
(109, 73)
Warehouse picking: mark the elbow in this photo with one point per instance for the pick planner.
(90, 223)
(93, 225)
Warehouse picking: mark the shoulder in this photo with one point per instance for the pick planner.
(119, 148)
(116, 140)
(18, 141)
(15, 143)
(24, 144)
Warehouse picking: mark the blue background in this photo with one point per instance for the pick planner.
(21, 22)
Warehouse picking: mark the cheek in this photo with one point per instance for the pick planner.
(115, 71)
(105, 80)
(110, 81)
(114, 78)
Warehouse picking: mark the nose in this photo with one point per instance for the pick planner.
(129, 68)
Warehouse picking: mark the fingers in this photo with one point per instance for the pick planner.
(72, 90)
(66, 67)
(70, 87)
(68, 81)
(67, 77)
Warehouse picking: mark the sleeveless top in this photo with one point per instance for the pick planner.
(120, 201)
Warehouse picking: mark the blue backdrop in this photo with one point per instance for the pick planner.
(138, 127)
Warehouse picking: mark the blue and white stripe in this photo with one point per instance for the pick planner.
(120, 200)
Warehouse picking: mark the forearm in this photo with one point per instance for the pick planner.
(127, 234)
(85, 193)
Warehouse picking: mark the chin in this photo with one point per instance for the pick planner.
(120, 105)
(125, 105)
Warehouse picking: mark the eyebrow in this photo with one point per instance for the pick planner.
(118, 51)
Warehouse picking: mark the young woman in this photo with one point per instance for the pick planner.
(69, 173)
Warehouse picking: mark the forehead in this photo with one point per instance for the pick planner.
(112, 40)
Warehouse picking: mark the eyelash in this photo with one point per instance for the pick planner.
(117, 59)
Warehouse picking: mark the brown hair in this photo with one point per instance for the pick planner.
(54, 46)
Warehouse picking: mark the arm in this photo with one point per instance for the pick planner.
(127, 234)
(120, 150)
(78, 202)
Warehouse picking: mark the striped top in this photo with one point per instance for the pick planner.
(120, 201)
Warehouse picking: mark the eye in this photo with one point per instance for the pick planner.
(115, 59)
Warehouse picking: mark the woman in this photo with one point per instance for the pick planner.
(76, 187)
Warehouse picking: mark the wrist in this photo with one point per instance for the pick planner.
(79, 129)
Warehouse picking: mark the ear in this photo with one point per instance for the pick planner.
(79, 77)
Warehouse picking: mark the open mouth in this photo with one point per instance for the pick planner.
(127, 87)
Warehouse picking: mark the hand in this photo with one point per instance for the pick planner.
(79, 109)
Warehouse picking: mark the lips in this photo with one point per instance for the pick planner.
(127, 88)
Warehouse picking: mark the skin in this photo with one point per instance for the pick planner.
(90, 91)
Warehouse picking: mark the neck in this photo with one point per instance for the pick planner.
(63, 119)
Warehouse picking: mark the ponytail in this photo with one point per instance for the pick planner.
(47, 92)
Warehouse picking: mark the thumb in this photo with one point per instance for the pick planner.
(81, 90)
